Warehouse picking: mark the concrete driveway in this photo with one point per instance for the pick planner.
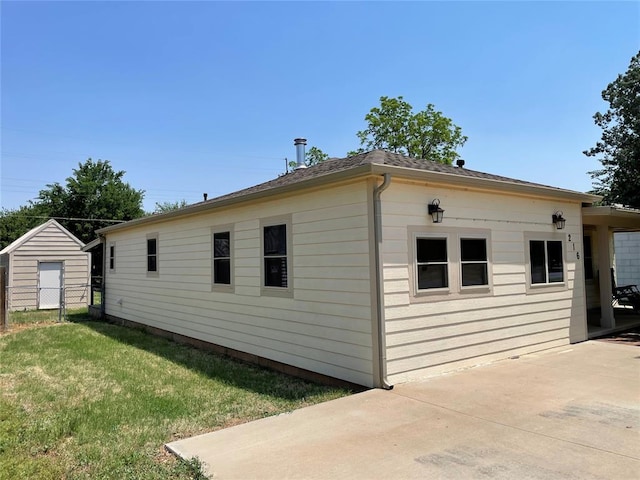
(571, 413)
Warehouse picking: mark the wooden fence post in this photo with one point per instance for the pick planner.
(4, 323)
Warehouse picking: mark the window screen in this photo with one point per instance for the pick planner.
(275, 256)
(431, 256)
(112, 257)
(222, 258)
(152, 254)
(474, 262)
(546, 262)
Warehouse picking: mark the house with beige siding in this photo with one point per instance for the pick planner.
(41, 264)
(374, 269)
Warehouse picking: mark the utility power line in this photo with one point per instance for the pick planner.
(108, 220)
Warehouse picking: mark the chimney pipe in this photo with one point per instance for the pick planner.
(300, 143)
(205, 195)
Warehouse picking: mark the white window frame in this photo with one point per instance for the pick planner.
(112, 258)
(433, 236)
(548, 286)
(453, 237)
(487, 240)
(265, 290)
(223, 287)
(156, 237)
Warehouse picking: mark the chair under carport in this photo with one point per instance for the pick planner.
(609, 308)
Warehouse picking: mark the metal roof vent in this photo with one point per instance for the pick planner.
(460, 163)
(300, 143)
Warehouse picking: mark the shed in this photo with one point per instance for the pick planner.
(45, 267)
(341, 270)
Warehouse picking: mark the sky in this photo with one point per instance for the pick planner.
(194, 97)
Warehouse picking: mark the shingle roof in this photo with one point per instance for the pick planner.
(34, 231)
(376, 161)
(378, 157)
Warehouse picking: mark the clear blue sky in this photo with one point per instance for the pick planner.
(193, 97)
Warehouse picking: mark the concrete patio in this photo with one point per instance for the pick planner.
(569, 413)
(625, 318)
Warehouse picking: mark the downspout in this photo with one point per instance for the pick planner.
(377, 228)
(103, 286)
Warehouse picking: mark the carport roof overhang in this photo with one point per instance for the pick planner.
(618, 219)
(92, 244)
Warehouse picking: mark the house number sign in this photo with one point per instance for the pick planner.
(572, 246)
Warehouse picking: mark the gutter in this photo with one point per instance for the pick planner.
(487, 184)
(455, 180)
(232, 200)
(377, 228)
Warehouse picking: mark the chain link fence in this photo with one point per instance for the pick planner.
(29, 304)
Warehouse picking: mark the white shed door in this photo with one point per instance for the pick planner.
(50, 276)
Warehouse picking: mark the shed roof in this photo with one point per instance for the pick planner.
(373, 162)
(35, 231)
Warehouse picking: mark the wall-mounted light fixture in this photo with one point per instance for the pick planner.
(435, 211)
(558, 220)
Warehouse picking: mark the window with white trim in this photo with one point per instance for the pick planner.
(432, 263)
(276, 251)
(474, 263)
(452, 262)
(112, 257)
(276, 272)
(222, 258)
(152, 255)
(546, 261)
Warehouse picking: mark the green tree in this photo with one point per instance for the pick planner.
(313, 156)
(619, 147)
(426, 134)
(17, 222)
(93, 196)
(165, 207)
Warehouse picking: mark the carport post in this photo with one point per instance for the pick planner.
(604, 266)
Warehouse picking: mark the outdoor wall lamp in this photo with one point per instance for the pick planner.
(435, 211)
(558, 220)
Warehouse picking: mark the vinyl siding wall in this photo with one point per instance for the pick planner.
(49, 245)
(431, 336)
(324, 327)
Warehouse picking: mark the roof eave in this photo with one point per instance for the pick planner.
(214, 204)
(92, 244)
(361, 170)
(487, 183)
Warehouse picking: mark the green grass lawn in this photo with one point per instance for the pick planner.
(93, 400)
(35, 316)
(32, 317)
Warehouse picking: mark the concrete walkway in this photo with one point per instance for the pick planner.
(571, 413)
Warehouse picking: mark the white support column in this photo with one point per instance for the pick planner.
(604, 266)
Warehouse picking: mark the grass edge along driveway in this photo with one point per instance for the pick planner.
(96, 400)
